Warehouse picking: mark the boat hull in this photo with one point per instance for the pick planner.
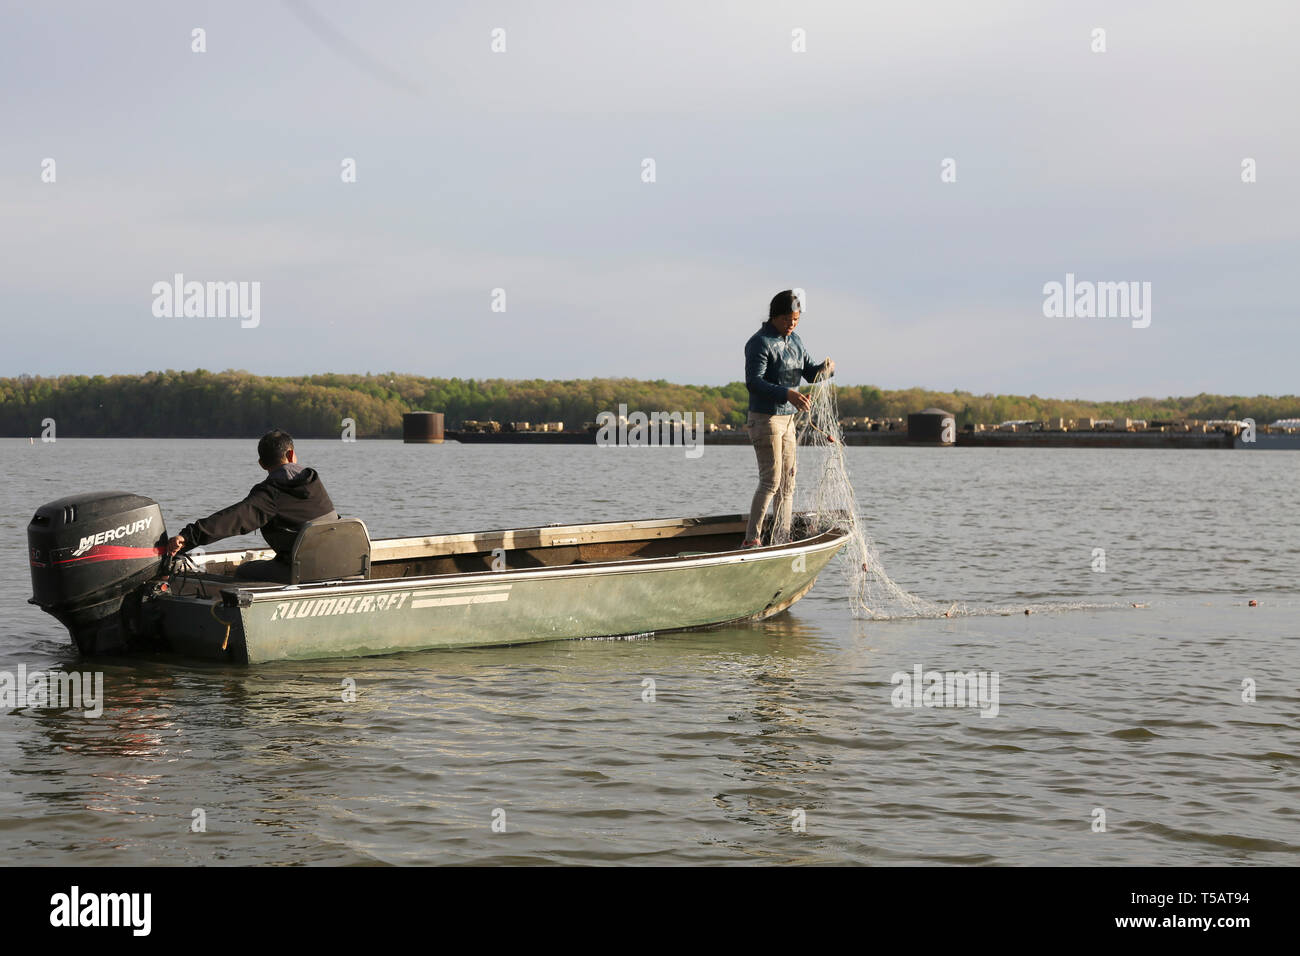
(486, 608)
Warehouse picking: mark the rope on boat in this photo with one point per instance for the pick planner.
(212, 608)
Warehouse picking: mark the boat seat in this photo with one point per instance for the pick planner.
(330, 549)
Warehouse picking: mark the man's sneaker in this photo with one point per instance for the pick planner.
(752, 543)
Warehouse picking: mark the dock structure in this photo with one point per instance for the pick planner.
(935, 427)
(422, 428)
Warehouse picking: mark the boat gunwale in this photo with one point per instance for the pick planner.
(263, 594)
(473, 537)
(687, 524)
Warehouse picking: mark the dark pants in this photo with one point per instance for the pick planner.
(273, 570)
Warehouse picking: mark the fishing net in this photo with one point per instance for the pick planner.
(827, 499)
(832, 503)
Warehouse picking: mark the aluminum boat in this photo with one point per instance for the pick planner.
(98, 565)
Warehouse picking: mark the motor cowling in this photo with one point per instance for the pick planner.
(88, 554)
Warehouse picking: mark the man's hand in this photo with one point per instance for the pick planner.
(174, 545)
(828, 367)
(797, 398)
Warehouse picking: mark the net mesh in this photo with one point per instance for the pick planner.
(832, 503)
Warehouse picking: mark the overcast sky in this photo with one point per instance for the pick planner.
(523, 170)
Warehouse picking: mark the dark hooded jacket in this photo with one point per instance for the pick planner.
(279, 506)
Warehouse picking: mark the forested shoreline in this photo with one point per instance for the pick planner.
(237, 404)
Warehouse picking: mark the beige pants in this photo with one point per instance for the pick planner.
(774, 443)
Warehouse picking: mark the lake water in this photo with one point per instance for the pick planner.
(776, 742)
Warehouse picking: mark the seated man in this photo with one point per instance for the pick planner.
(288, 498)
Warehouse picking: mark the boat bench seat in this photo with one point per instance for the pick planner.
(330, 549)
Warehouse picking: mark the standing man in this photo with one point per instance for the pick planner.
(279, 505)
(775, 362)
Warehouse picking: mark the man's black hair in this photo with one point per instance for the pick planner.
(783, 303)
(274, 447)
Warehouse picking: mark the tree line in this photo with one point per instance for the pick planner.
(237, 404)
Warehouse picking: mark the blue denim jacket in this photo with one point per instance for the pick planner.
(773, 364)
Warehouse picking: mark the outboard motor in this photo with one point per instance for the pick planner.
(90, 554)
